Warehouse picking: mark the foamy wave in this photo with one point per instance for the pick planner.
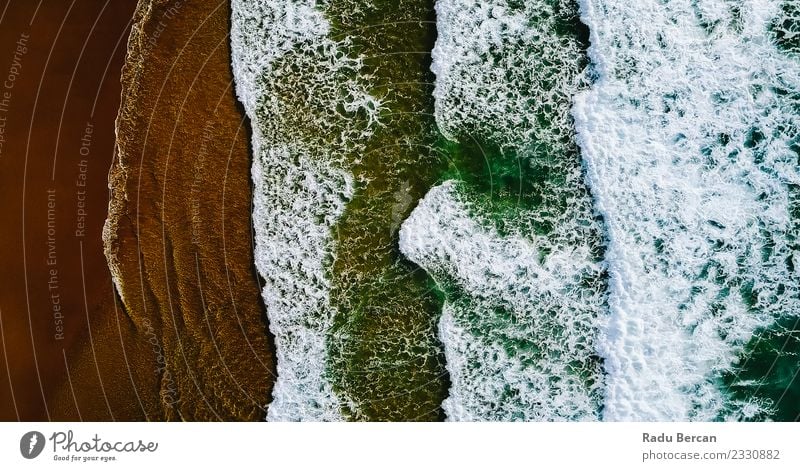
(300, 90)
(262, 31)
(519, 321)
(517, 325)
(687, 139)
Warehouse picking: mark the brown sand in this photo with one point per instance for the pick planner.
(69, 348)
(178, 237)
(56, 294)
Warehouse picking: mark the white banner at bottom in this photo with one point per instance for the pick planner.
(491, 446)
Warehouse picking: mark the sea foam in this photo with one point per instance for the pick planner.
(298, 87)
(517, 325)
(516, 257)
(690, 137)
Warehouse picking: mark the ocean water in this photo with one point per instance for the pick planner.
(298, 86)
(510, 237)
(384, 354)
(339, 97)
(526, 210)
(690, 138)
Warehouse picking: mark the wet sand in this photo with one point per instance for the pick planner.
(178, 238)
(59, 95)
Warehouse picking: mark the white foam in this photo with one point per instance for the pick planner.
(493, 60)
(694, 211)
(290, 74)
(262, 31)
(518, 335)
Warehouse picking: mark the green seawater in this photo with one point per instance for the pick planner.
(769, 371)
(786, 28)
(504, 185)
(385, 359)
(520, 176)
